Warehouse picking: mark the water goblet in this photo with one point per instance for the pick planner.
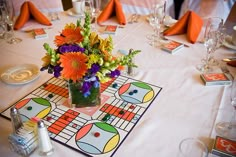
(88, 7)
(210, 42)
(96, 11)
(160, 13)
(3, 26)
(10, 22)
(217, 27)
(228, 129)
(155, 20)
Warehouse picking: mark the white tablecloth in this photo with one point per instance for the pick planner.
(184, 108)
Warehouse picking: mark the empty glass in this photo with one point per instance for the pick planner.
(96, 11)
(192, 147)
(211, 38)
(156, 19)
(3, 25)
(10, 22)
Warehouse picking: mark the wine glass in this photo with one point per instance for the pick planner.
(3, 26)
(228, 129)
(160, 11)
(88, 7)
(10, 22)
(96, 11)
(217, 27)
(210, 42)
(156, 20)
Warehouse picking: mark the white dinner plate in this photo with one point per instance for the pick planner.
(20, 74)
(228, 43)
(71, 12)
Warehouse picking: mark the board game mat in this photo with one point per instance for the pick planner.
(94, 131)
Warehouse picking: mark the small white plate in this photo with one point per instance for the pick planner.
(228, 43)
(71, 12)
(21, 74)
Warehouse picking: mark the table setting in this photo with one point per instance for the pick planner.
(179, 106)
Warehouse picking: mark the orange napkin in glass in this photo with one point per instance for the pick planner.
(28, 9)
(190, 23)
(113, 8)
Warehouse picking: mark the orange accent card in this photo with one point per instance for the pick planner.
(224, 147)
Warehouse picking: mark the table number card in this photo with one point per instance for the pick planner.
(224, 147)
(215, 79)
(110, 29)
(40, 33)
(172, 46)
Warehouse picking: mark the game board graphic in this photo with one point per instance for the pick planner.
(33, 107)
(136, 92)
(105, 138)
(95, 131)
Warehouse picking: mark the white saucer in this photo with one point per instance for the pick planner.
(71, 12)
(21, 74)
(228, 43)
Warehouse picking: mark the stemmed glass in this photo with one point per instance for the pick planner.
(3, 26)
(217, 26)
(10, 22)
(156, 19)
(96, 11)
(88, 7)
(211, 37)
(160, 11)
(228, 129)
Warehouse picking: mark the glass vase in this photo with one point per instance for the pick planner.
(78, 100)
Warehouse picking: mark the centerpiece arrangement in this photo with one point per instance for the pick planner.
(84, 60)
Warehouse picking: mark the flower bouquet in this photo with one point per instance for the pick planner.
(85, 60)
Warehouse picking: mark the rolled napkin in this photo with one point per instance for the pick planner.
(27, 9)
(190, 23)
(232, 63)
(113, 8)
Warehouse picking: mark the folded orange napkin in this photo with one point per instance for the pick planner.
(28, 9)
(232, 63)
(113, 8)
(190, 23)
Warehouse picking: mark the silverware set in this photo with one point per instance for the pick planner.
(134, 18)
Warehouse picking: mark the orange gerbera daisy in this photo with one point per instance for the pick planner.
(74, 65)
(69, 36)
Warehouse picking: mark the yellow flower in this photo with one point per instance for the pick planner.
(93, 58)
(71, 25)
(93, 38)
(46, 60)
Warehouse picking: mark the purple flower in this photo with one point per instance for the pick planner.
(86, 94)
(114, 73)
(70, 48)
(96, 84)
(94, 68)
(57, 70)
(86, 86)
